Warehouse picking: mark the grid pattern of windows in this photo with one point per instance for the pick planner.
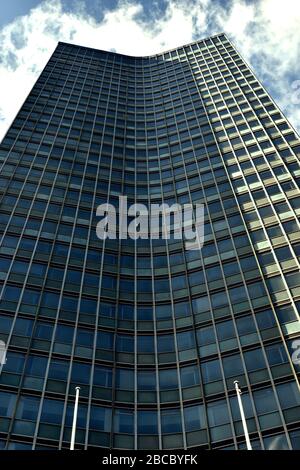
(154, 334)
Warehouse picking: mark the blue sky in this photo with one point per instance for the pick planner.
(14, 8)
(266, 32)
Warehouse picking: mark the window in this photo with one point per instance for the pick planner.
(64, 334)
(58, 370)
(124, 379)
(50, 300)
(7, 404)
(5, 324)
(206, 335)
(36, 366)
(295, 439)
(219, 300)
(23, 327)
(168, 379)
(145, 344)
(105, 340)
(211, 371)
(293, 280)
(275, 284)
(11, 294)
(102, 376)
(217, 413)
(265, 319)
(43, 330)
(147, 422)
(14, 363)
(254, 360)
(245, 325)
(276, 354)
(286, 314)
(277, 442)
(86, 306)
(194, 418)
(225, 330)
(247, 405)
(256, 290)
(80, 373)
(165, 343)
(185, 340)
(201, 305)
(85, 338)
(123, 421)
(233, 366)
(28, 408)
(146, 380)
(288, 394)
(190, 376)
(265, 401)
(171, 421)
(100, 419)
(52, 411)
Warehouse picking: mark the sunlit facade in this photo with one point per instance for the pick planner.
(154, 334)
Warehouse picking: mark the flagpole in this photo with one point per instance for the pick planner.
(239, 392)
(73, 435)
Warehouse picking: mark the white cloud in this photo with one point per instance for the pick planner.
(265, 32)
(237, 19)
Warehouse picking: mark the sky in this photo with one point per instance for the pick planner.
(266, 33)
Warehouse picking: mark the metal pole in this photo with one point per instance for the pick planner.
(74, 419)
(239, 392)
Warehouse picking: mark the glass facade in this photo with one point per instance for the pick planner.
(153, 334)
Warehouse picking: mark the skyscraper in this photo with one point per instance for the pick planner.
(153, 333)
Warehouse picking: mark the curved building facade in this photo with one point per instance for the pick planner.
(153, 333)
